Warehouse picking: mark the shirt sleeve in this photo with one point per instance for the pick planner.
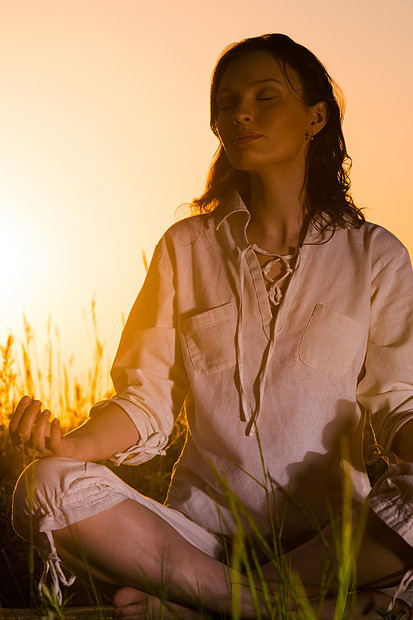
(385, 389)
(148, 373)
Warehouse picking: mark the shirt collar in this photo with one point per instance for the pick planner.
(235, 204)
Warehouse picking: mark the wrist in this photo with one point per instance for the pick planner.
(77, 447)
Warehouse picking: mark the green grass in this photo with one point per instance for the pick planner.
(51, 381)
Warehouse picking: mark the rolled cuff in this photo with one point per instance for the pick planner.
(143, 451)
(151, 443)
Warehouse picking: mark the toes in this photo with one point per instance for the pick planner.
(400, 607)
(382, 601)
(133, 604)
(128, 596)
(374, 605)
(130, 612)
(369, 605)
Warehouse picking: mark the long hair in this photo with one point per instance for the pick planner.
(327, 196)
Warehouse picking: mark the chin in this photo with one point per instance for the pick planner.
(246, 164)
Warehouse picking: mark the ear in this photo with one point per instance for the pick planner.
(319, 117)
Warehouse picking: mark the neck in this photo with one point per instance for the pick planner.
(277, 213)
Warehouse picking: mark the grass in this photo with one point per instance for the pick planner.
(21, 372)
(24, 371)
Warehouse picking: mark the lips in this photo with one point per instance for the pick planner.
(241, 137)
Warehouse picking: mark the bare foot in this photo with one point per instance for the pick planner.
(365, 605)
(134, 604)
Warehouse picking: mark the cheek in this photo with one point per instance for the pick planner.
(223, 127)
(284, 120)
(282, 124)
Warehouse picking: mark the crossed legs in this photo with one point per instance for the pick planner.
(145, 553)
(134, 554)
(138, 557)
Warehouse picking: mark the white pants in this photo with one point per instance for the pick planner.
(53, 493)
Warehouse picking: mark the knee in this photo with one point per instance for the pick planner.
(37, 492)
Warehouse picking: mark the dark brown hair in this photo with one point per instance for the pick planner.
(327, 183)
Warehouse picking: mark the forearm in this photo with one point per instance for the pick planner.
(402, 444)
(109, 431)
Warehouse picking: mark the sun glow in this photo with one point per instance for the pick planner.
(104, 132)
(21, 259)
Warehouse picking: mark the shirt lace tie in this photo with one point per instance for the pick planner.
(273, 285)
(250, 414)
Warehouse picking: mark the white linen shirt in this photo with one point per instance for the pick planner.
(201, 329)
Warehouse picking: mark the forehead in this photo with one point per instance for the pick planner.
(252, 67)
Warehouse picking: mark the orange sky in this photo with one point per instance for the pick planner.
(104, 132)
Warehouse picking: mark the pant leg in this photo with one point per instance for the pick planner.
(391, 498)
(53, 493)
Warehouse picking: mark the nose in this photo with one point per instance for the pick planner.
(242, 114)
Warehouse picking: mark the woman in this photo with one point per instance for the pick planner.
(284, 321)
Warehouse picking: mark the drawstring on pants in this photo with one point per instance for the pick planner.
(405, 584)
(53, 565)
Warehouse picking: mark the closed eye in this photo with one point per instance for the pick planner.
(266, 95)
(226, 103)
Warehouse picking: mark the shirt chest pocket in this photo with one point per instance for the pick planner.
(331, 341)
(210, 339)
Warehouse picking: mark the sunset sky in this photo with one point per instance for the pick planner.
(104, 133)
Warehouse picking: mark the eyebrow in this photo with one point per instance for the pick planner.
(252, 84)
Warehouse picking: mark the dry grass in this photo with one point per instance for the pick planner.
(23, 372)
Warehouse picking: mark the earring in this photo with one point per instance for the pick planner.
(309, 136)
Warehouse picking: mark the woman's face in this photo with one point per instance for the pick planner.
(262, 122)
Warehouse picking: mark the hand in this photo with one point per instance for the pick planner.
(31, 427)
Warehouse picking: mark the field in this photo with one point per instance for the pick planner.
(24, 371)
(53, 382)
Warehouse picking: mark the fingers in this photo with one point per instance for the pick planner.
(20, 409)
(55, 439)
(41, 433)
(23, 420)
(30, 427)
